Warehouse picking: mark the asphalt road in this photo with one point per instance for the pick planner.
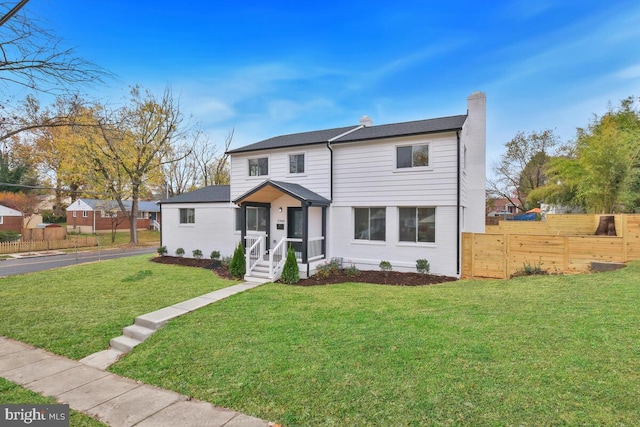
(12, 267)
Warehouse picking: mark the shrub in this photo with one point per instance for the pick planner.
(215, 255)
(238, 265)
(328, 268)
(422, 265)
(9, 236)
(225, 261)
(179, 252)
(351, 271)
(385, 266)
(290, 272)
(197, 253)
(530, 270)
(162, 250)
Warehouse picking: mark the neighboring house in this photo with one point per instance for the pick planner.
(10, 219)
(501, 206)
(398, 192)
(94, 216)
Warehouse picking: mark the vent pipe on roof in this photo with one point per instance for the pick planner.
(366, 121)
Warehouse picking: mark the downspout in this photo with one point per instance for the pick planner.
(458, 197)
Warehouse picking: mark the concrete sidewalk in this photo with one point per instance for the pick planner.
(114, 400)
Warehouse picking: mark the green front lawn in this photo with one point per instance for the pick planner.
(11, 393)
(544, 350)
(75, 311)
(549, 350)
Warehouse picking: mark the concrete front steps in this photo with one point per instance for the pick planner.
(259, 274)
(144, 326)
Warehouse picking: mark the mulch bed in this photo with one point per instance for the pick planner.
(394, 278)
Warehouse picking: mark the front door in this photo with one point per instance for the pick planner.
(294, 228)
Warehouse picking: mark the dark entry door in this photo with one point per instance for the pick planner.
(294, 227)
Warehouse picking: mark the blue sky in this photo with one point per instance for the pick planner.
(278, 67)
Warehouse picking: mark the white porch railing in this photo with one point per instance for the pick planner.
(255, 251)
(277, 257)
(156, 225)
(314, 249)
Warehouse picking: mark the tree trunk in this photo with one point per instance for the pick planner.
(606, 226)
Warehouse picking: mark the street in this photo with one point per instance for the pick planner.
(12, 267)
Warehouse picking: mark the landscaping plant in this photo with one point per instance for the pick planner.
(215, 255)
(385, 266)
(422, 265)
(162, 250)
(290, 272)
(238, 266)
(180, 252)
(197, 253)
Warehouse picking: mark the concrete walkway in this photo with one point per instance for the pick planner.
(114, 400)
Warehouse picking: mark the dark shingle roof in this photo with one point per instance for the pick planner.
(210, 194)
(441, 124)
(295, 139)
(418, 127)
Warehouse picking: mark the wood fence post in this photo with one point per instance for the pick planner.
(506, 253)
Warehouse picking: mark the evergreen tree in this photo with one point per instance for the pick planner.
(238, 265)
(290, 272)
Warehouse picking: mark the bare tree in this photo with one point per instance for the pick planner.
(134, 143)
(33, 57)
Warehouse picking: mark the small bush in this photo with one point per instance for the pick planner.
(180, 252)
(422, 265)
(328, 268)
(529, 269)
(385, 266)
(290, 272)
(215, 255)
(162, 250)
(225, 261)
(238, 265)
(9, 236)
(351, 271)
(197, 253)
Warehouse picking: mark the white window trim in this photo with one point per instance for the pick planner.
(416, 243)
(368, 241)
(75, 214)
(186, 224)
(429, 145)
(260, 177)
(85, 214)
(289, 173)
(1, 219)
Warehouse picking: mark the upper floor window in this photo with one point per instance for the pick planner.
(417, 225)
(370, 223)
(296, 163)
(187, 216)
(412, 156)
(259, 166)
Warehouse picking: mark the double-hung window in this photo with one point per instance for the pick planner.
(256, 218)
(412, 156)
(417, 224)
(85, 214)
(187, 216)
(259, 166)
(370, 223)
(296, 163)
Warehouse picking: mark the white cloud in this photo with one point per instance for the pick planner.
(631, 72)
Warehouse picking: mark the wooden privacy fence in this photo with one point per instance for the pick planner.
(49, 233)
(559, 244)
(47, 245)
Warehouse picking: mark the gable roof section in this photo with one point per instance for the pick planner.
(358, 133)
(7, 211)
(296, 191)
(210, 194)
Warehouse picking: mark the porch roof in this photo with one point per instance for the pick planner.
(270, 190)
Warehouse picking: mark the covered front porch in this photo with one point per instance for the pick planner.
(276, 215)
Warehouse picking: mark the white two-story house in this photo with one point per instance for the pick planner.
(396, 192)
